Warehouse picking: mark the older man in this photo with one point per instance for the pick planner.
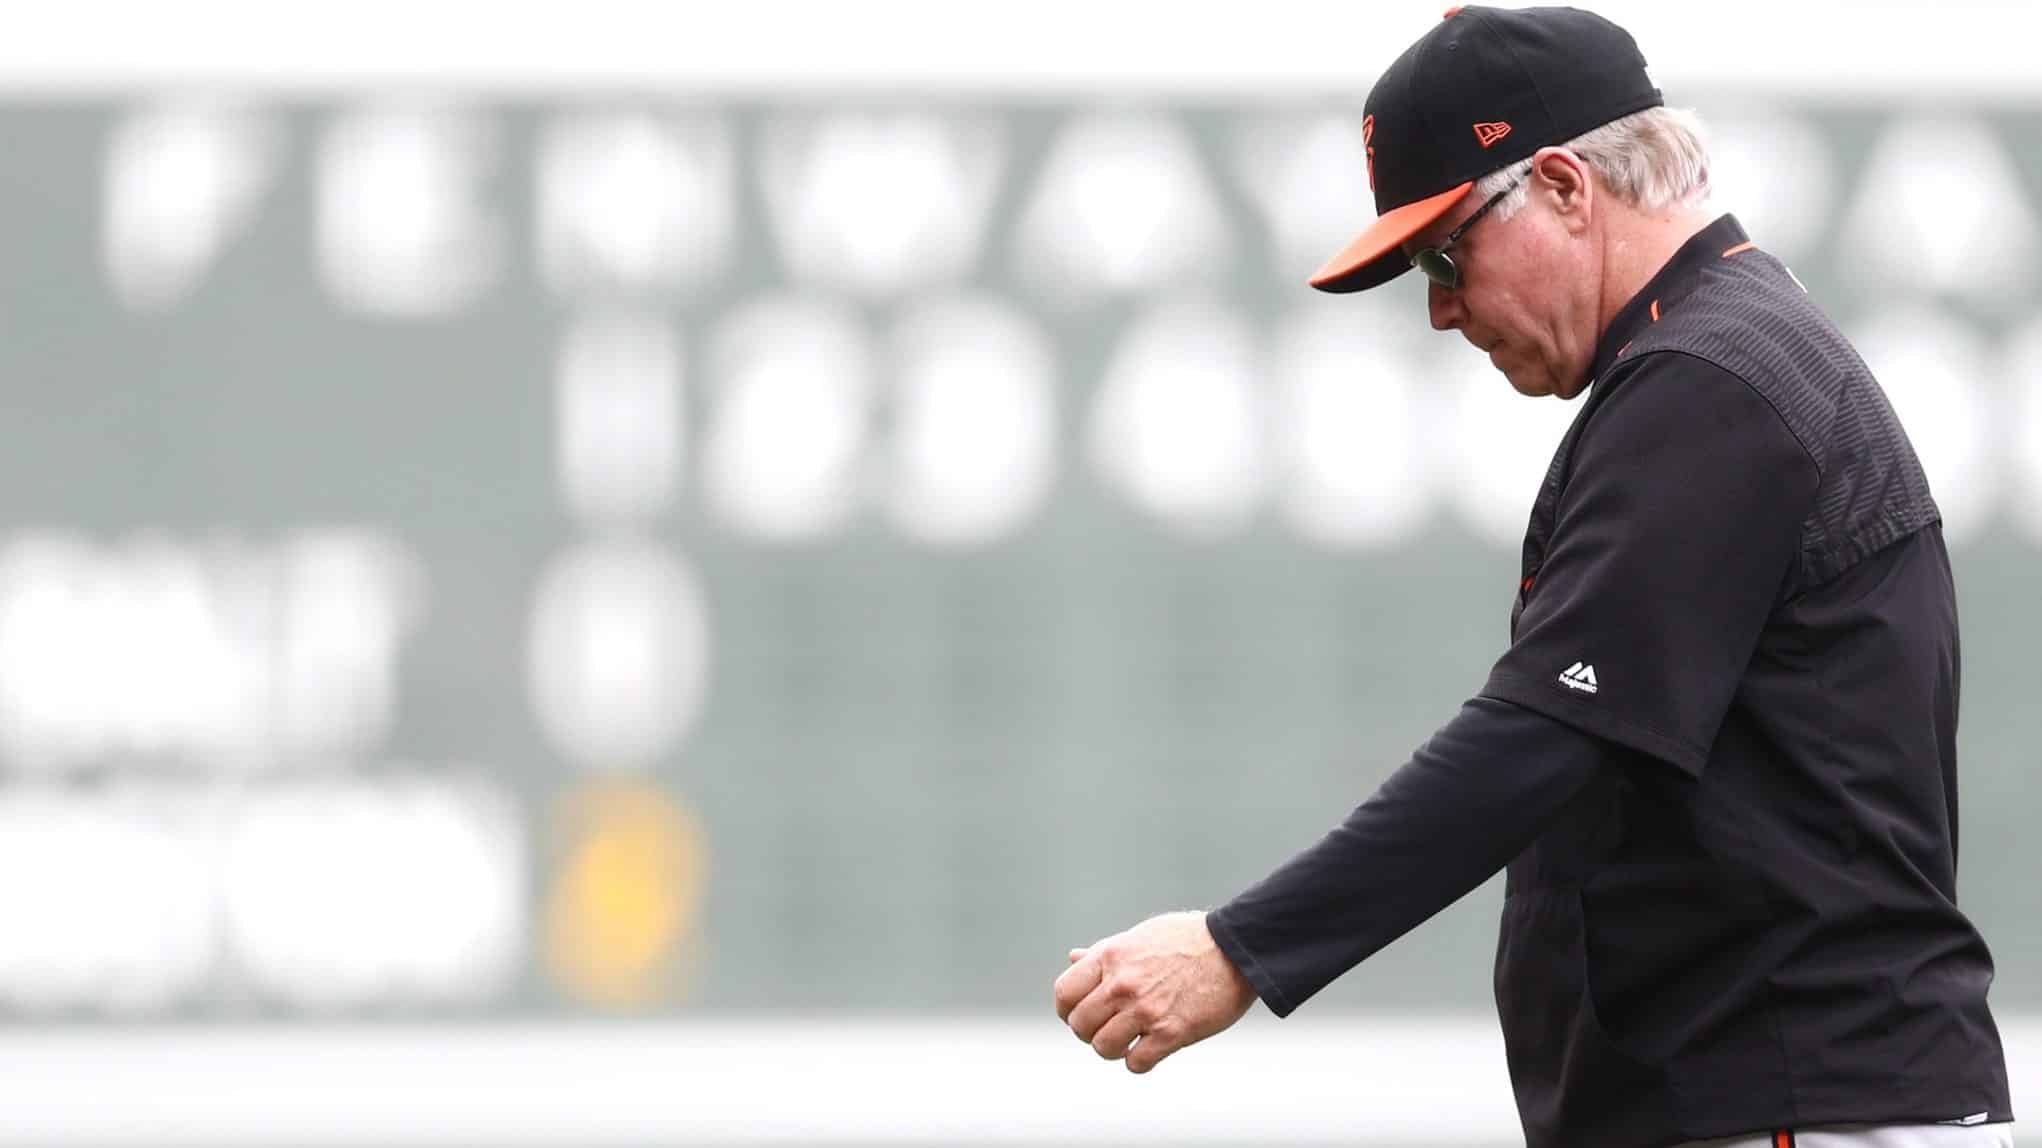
(1718, 756)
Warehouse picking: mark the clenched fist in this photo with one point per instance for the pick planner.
(1147, 992)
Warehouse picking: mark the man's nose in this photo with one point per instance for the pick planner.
(1444, 306)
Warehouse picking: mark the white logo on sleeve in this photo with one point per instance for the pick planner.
(1579, 676)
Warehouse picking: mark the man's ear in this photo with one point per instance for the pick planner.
(1563, 177)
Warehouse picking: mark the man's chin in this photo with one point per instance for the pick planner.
(1527, 381)
(1535, 381)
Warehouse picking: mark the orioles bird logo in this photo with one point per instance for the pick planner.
(1368, 135)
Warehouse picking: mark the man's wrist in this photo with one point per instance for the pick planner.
(1237, 960)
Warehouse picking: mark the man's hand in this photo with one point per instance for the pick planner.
(1157, 987)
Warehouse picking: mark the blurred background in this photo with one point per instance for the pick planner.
(625, 575)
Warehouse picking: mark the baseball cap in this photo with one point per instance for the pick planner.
(1484, 88)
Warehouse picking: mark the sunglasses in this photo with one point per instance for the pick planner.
(1440, 267)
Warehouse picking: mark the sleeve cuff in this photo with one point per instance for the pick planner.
(1258, 975)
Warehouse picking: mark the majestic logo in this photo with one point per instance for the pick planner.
(1579, 676)
(1368, 135)
(1487, 134)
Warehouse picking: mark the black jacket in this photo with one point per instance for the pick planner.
(1719, 756)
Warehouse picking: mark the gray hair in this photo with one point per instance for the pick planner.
(1652, 160)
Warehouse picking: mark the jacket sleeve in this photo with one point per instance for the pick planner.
(1677, 535)
(1470, 799)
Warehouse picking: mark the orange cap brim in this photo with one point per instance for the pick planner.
(1374, 258)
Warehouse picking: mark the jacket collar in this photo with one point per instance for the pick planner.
(1673, 282)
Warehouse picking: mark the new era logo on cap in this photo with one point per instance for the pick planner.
(1487, 134)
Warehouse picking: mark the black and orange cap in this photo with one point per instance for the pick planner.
(1484, 88)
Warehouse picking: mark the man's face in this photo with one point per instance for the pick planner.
(1520, 295)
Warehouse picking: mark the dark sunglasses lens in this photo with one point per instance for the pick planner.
(1438, 266)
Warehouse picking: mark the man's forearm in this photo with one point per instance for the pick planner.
(1470, 799)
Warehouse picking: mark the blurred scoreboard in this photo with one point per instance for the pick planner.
(643, 556)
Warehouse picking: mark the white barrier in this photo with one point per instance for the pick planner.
(1342, 1078)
